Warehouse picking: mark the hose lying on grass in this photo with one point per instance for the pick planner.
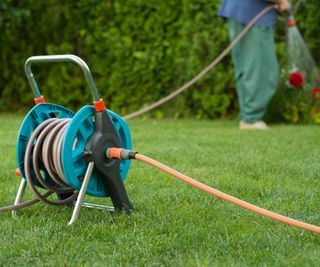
(123, 154)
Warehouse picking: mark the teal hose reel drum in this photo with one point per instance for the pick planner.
(65, 152)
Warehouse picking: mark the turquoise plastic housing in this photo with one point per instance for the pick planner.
(79, 131)
(77, 135)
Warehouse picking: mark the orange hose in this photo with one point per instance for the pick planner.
(231, 199)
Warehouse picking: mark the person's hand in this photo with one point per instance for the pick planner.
(284, 5)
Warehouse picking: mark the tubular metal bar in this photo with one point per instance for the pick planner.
(100, 207)
(82, 193)
(19, 196)
(59, 58)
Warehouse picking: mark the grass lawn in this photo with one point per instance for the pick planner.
(174, 224)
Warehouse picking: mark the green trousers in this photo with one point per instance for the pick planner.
(256, 70)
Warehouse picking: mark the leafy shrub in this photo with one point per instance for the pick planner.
(138, 51)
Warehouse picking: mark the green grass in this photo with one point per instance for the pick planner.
(174, 224)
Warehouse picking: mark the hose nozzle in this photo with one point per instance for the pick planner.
(291, 21)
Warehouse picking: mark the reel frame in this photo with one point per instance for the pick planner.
(102, 177)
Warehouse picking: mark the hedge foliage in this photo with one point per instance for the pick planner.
(138, 51)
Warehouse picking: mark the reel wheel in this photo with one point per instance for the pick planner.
(33, 119)
(74, 161)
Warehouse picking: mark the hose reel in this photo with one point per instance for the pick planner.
(65, 152)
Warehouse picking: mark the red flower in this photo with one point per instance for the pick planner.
(296, 79)
(315, 92)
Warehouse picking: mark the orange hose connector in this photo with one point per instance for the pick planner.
(99, 105)
(292, 23)
(39, 100)
(231, 199)
(17, 172)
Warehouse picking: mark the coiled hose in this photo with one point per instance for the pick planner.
(45, 148)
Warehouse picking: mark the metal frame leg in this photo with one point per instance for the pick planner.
(19, 197)
(99, 207)
(82, 193)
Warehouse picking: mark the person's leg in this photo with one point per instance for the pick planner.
(256, 70)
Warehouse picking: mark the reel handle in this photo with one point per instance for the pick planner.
(59, 58)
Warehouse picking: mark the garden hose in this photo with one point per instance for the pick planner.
(45, 145)
(122, 154)
(24, 204)
(297, 7)
(204, 71)
(49, 136)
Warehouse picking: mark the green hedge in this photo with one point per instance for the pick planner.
(138, 51)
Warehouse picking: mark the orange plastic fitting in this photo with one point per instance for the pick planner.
(17, 172)
(114, 153)
(99, 105)
(292, 23)
(39, 100)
